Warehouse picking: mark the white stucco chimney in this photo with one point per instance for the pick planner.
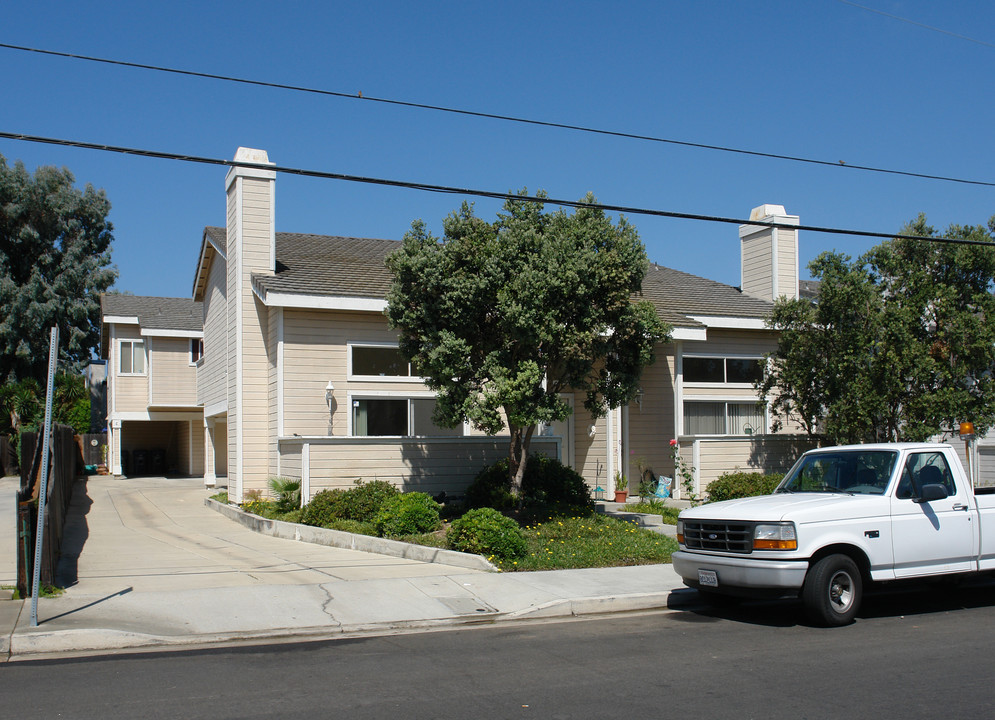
(769, 256)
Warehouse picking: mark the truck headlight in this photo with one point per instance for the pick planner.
(775, 536)
(680, 531)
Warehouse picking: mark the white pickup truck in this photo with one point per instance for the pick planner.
(843, 517)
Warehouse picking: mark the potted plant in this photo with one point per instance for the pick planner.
(621, 487)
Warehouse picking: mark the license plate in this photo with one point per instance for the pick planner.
(708, 578)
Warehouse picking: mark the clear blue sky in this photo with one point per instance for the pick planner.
(815, 78)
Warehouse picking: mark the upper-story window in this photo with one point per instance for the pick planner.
(381, 362)
(196, 350)
(724, 370)
(132, 360)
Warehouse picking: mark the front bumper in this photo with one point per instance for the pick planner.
(743, 573)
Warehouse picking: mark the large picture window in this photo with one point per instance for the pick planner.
(397, 417)
(723, 418)
(132, 361)
(722, 370)
(378, 361)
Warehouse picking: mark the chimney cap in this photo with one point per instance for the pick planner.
(764, 211)
(251, 155)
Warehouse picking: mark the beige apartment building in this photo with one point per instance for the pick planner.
(297, 374)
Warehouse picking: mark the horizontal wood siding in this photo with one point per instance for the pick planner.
(172, 378)
(213, 370)
(761, 453)
(651, 422)
(787, 263)
(132, 393)
(419, 464)
(316, 352)
(591, 453)
(756, 264)
(733, 343)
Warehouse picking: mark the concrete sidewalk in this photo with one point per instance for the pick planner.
(147, 564)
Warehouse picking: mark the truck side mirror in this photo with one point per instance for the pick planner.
(931, 492)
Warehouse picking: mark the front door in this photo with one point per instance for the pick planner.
(931, 537)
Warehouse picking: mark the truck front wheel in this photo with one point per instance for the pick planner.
(833, 590)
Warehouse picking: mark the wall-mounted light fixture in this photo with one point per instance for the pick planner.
(329, 389)
(592, 431)
(639, 398)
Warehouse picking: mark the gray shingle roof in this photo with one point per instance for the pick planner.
(219, 236)
(156, 313)
(327, 265)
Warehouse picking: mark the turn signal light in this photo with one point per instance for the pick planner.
(775, 536)
(775, 544)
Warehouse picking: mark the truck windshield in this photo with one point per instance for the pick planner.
(855, 472)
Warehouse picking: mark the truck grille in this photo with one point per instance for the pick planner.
(718, 536)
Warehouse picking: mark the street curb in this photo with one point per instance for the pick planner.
(598, 605)
(39, 645)
(10, 613)
(350, 541)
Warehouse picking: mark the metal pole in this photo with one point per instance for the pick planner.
(53, 353)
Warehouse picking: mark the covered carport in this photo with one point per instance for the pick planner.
(173, 446)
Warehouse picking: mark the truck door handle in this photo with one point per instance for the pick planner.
(959, 506)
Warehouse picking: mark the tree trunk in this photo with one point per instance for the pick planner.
(518, 455)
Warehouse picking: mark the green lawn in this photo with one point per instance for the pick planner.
(587, 542)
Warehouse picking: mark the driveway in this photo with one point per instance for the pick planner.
(155, 534)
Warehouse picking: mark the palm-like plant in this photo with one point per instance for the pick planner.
(287, 491)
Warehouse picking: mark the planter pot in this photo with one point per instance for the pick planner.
(620, 495)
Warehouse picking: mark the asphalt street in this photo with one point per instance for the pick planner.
(918, 654)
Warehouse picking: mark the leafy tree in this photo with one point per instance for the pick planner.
(23, 404)
(501, 317)
(54, 263)
(900, 344)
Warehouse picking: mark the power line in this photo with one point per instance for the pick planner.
(426, 187)
(506, 118)
(918, 24)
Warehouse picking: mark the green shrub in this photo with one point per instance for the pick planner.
(742, 484)
(363, 502)
(548, 486)
(323, 508)
(407, 514)
(485, 531)
(491, 488)
(550, 483)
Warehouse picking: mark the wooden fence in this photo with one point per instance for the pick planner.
(65, 462)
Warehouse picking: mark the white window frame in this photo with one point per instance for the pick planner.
(390, 395)
(718, 356)
(725, 401)
(120, 357)
(377, 378)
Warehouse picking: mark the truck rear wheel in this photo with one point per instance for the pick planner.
(833, 590)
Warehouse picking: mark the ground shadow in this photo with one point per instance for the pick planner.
(893, 600)
(74, 535)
